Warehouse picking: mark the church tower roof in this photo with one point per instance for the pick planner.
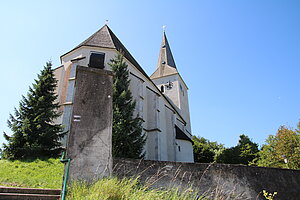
(166, 64)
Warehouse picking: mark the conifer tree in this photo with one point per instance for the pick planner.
(33, 133)
(127, 137)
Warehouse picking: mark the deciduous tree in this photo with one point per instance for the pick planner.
(204, 150)
(281, 150)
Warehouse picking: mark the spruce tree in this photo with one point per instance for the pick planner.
(127, 137)
(34, 135)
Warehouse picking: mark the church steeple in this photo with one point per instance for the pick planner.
(166, 64)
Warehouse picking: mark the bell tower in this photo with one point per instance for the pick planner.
(168, 80)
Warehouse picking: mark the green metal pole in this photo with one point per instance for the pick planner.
(64, 190)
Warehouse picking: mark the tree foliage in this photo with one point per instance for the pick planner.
(34, 134)
(281, 150)
(127, 138)
(243, 153)
(204, 150)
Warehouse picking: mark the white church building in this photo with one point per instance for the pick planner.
(161, 99)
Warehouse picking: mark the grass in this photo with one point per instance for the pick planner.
(33, 174)
(125, 189)
(49, 173)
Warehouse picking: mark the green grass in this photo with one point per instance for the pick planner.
(49, 173)
(34, 174)
(125, 189)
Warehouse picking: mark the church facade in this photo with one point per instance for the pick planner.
(161, 99)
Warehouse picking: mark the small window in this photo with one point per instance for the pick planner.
(181, 89)
(97, 60)
(178, 148)
(162, 89)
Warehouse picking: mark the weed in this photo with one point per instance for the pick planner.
(269, 195)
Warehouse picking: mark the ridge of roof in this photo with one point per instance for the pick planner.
(168, 53)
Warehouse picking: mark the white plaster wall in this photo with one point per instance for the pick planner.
(152, 112)
(186, 151)
(59, 74)
(163, 137)
(151, 107)
(170, 134)
(152, 145)
(184, 104)
(86, 52)
(136, 87)
(184, 148)
(178, 96)
(171, 93)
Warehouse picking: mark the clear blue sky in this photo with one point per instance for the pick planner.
(240, 59)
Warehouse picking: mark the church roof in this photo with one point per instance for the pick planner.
(166, 64)
(105, 38)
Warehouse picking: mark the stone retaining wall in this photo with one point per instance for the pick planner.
(243, 182)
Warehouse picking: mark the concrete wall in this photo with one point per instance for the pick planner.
(242, 181)
(89, 142)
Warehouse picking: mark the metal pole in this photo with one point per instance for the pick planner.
(66, 175)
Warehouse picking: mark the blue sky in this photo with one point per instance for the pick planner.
(240, 59)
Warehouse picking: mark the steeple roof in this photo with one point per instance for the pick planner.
(166, 64)
(105, 38)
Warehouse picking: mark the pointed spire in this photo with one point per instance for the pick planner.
(166, 64)
(165, 52)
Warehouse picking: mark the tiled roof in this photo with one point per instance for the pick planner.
(105, 38)
(166, 64)
(181, 135)
(166, 53)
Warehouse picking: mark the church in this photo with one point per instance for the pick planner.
(161, 99)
